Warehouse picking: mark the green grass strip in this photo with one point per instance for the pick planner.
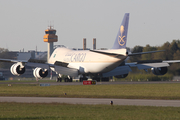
(55, 111)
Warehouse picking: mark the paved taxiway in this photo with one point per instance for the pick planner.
(137, 102)
(98, 83)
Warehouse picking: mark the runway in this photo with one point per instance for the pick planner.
(136, 102)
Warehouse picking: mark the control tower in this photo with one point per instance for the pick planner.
(50, 37)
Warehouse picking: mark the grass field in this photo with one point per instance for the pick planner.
(128, 91)
(54, 111)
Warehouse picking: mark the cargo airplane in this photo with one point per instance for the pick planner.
(97, 64)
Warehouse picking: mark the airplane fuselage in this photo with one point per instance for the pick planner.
(87, 61)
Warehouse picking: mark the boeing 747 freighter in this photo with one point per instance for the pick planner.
(97, 64)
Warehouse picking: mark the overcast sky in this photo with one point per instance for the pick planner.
(23, 22)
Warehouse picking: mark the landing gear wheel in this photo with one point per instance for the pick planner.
(58, 79)
(68, 79)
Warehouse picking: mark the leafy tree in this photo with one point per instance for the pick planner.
(176, 55)
(166, 55)
(136, 49)
(174, 46)
(175, 68)
(148, 56)
(172, 51)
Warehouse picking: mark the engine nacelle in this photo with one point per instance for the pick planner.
(159, 71)
(40, 73)
(17, 69)
(121, 76)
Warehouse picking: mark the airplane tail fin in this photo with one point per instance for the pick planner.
(121, 38)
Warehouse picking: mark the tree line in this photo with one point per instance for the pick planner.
(171, 52)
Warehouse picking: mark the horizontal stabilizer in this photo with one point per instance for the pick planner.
(172, 61)
(109, 54)
(140, 53)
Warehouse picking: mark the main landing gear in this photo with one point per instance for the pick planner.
(58, 79)
(98, 79)
(66, 79)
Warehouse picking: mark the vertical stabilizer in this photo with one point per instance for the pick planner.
(121, 38)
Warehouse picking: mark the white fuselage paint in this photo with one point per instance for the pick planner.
(87, 61)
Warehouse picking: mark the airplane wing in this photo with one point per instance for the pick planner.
(125, 69)
(147, 65)
(13, 61)
(59, 67)
(152, 64)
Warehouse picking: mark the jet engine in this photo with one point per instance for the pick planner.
(159, 71)
(121, 76)
(17, 69)
(40, 73)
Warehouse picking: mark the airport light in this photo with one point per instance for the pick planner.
(88, 82)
